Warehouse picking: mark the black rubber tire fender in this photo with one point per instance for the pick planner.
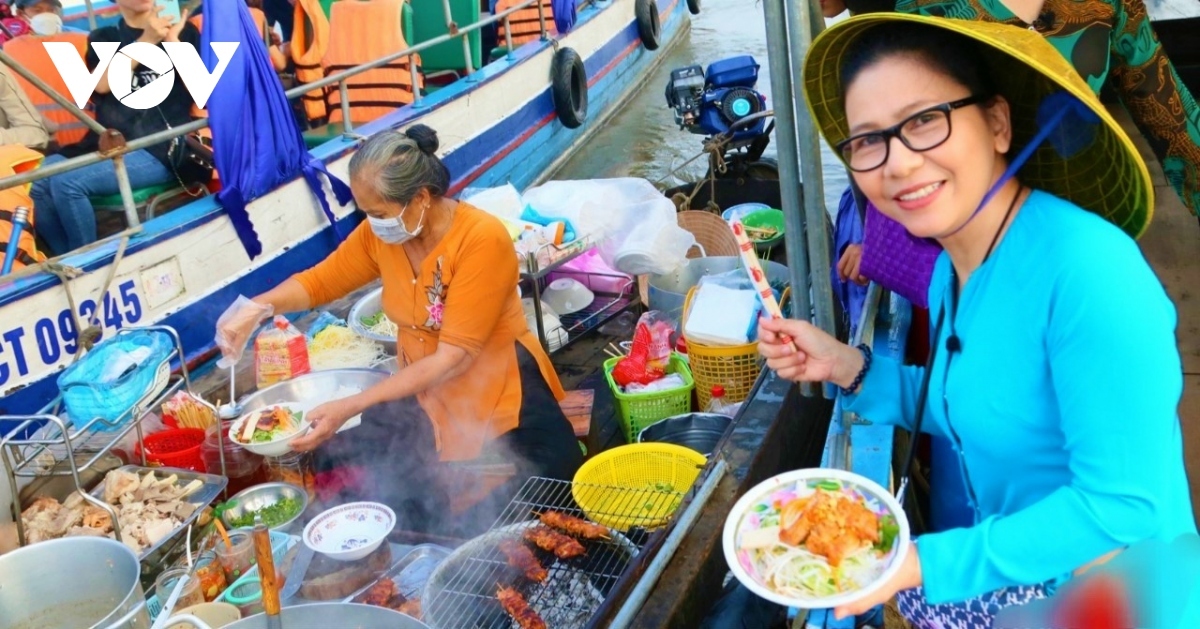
(569, 87)
(694, 7)
(649, 29)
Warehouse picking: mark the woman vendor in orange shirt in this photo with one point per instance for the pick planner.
(473, 378)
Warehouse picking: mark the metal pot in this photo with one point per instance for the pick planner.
(312, 389)
(366, 306)
(72, 583)
(698, 431)
(326, 615)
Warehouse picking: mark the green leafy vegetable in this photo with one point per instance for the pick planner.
(272, 515)
(888, 530)
(829, 485)
(372, 320)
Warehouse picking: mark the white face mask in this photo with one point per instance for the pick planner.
(392, 230)
(46, 24)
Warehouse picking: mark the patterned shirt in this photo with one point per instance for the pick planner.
(1103, 37)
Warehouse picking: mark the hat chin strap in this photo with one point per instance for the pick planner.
(1044, 132)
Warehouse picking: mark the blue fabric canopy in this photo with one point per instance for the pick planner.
(257, 144)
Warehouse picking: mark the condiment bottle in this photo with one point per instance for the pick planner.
(716, 403)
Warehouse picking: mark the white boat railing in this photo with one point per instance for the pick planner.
(113, 146)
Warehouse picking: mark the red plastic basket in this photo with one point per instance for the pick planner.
(175, 447)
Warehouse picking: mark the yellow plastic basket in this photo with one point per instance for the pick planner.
(734, 367)
(640, 485)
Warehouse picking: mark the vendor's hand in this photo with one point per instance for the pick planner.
(810, 356)
(850, 264)
(324, 421)
(908, 577)
(235, 331)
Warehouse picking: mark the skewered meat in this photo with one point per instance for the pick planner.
(574, 526)
(549, 539)
(380, 593)
(520, 557)
(514, 604)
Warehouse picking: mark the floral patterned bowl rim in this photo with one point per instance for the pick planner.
(370, 521)
(867, 487)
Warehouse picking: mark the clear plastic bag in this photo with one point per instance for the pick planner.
(660, 328)
(235, 326)
(280, 353)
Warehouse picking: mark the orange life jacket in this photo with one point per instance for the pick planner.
(367, 30)
(29, 52)
(278, 60)
(14, 160)
(310, 41)
(525, 25)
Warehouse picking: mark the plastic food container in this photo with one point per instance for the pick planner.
(295, 468)
(243, 468)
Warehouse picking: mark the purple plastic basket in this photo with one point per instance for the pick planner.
(897, 260)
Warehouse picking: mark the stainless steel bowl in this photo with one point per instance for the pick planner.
(366, 306)
(312, 389)
(266, 494)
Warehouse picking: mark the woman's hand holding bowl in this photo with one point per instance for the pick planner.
(324, 422)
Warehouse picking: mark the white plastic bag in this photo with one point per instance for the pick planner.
(502, 201)
(632, 223)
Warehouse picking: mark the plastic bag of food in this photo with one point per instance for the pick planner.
(659, 329)
(235, 326)
(280, 353)
(635, 368)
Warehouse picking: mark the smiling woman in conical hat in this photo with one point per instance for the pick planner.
(1054, 368)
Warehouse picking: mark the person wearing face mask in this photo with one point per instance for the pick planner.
(44, 17)
(474, 380)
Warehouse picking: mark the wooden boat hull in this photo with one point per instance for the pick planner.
(185, 267)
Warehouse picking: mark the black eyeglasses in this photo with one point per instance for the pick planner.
(922, 131)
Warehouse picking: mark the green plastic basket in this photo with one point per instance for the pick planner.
(638, 410)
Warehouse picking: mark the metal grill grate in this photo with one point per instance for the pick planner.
(461, 594)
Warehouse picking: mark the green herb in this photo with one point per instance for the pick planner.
(272, 515)
(372, 320)
(888, 530)
(663, 487)
(829, 485)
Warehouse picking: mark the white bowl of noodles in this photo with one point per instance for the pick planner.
(816, 567)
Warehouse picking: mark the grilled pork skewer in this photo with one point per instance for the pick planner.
(549, 539)
(514, 604)
(573, 526)
(520, 557)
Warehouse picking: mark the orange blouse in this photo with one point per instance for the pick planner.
(464, 294)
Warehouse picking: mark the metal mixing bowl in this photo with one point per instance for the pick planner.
(312, 389)
(366, 306)
(266, 494)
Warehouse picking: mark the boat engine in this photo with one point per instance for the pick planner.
(710, 102)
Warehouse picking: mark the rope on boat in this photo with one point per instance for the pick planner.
(714, 148)
(65, 273)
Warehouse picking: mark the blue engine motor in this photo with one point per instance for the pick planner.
(710, 102)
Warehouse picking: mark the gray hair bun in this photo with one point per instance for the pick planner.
(425, 137)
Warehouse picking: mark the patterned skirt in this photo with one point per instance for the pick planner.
(974, 613)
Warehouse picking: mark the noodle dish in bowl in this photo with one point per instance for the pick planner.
(815, 538)
(274, 428)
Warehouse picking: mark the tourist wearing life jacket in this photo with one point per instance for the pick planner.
(66, 220)
(14, 160)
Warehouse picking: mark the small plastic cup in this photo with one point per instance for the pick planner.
(236, 561)
(165, 584)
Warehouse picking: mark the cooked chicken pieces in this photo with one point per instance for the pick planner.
(828, 524)
(149, 508)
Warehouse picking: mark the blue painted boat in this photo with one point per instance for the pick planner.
(497, 125)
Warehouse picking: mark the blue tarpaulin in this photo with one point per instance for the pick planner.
(257, 144)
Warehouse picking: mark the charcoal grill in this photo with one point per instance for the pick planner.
(461, 593)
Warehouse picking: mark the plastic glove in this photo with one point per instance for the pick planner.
(235, 326)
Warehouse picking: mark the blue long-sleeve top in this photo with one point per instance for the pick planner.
(1061, 404)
